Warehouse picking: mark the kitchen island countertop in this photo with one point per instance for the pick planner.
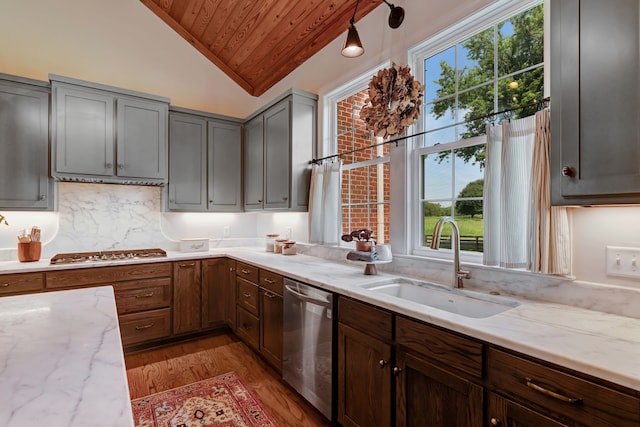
(61, 360)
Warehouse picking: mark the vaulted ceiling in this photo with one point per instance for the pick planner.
(258, 42)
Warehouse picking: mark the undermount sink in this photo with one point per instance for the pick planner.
(458, 301)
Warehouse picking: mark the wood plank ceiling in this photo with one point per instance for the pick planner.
(258, 42)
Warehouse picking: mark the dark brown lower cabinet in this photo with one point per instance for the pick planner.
(364, 379)
(187, 277)
(271, 327)
(215, 292)
(427, 395)
(505, 413)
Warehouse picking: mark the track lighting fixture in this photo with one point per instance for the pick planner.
(396, 16)
(353, 47)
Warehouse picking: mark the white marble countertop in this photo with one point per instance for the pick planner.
(61, 360)
(596, 343)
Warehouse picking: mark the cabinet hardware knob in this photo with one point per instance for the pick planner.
(568, 171)
(147, 295)
(230, 268)
(187, 264)
(396, 371)
(120, 165)
(284, 199)
(269, 294)
(495, 421)
(147, 326)
(43, 197)
(245, 271)
(5, 285)
(246, 327)
(108, 166)
(266, 279)
(260, 201)
(246, 294)
(382, 363)
(532, 385)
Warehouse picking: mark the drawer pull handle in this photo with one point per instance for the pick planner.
(143, 327)
(550, 393)
(245, 271)
(269, 294)
(147, 295)
(266, 279)
(246, 294)
(187, 264)
(246, 327)
(5, 285)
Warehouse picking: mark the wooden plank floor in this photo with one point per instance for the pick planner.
(173, 366)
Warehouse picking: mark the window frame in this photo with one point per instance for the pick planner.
(331, 101)
(457, 33)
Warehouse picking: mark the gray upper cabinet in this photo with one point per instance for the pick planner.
(224, 144)
(24, 143)
(254, 163)
(106, 134)
(595, 144)
(205, 163)
(279, 142)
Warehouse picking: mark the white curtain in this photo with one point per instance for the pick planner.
(324, 203)
(521, 229)
(507, 201)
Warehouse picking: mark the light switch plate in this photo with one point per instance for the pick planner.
(225, 231)
(623, 261)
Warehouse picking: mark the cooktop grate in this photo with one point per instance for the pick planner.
(101, 256)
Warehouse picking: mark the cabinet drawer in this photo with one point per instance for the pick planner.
(366, 318)
(271, 281)
(559, 394)
(248, 327)
(106, 275)
(461, 354)
(247, 272)
(146, 326)
(247, 295)
(22, 282)
(142, 295)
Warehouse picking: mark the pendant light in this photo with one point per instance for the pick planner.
(353, 47)
(396, 16)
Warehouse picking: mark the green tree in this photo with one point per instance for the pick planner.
(470, 207)
(434, 209)
(519, 46)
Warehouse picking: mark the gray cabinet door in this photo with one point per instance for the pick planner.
(595, 94)
(253, 164)
(277, 156)
(142, 139)
(224, 167)
(187, 163)
(84, 132)
(24, 144)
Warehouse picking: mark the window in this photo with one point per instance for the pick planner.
(495, 67)
(365, 172)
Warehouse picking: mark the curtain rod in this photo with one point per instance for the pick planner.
(538, 102)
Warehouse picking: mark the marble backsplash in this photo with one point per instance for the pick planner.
(94, 217)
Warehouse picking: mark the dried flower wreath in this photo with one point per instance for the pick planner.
(393, 103)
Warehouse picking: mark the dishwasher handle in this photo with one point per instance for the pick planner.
(307, 298)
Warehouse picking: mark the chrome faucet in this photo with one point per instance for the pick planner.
(458, 274)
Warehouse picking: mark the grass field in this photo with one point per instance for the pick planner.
(471, 232)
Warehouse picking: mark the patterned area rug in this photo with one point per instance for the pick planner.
(223, 401)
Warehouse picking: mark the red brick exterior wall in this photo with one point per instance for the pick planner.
(360, 186)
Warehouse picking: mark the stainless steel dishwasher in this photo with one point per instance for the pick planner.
(308, 343)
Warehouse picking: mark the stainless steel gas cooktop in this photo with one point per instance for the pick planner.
(102, 256)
